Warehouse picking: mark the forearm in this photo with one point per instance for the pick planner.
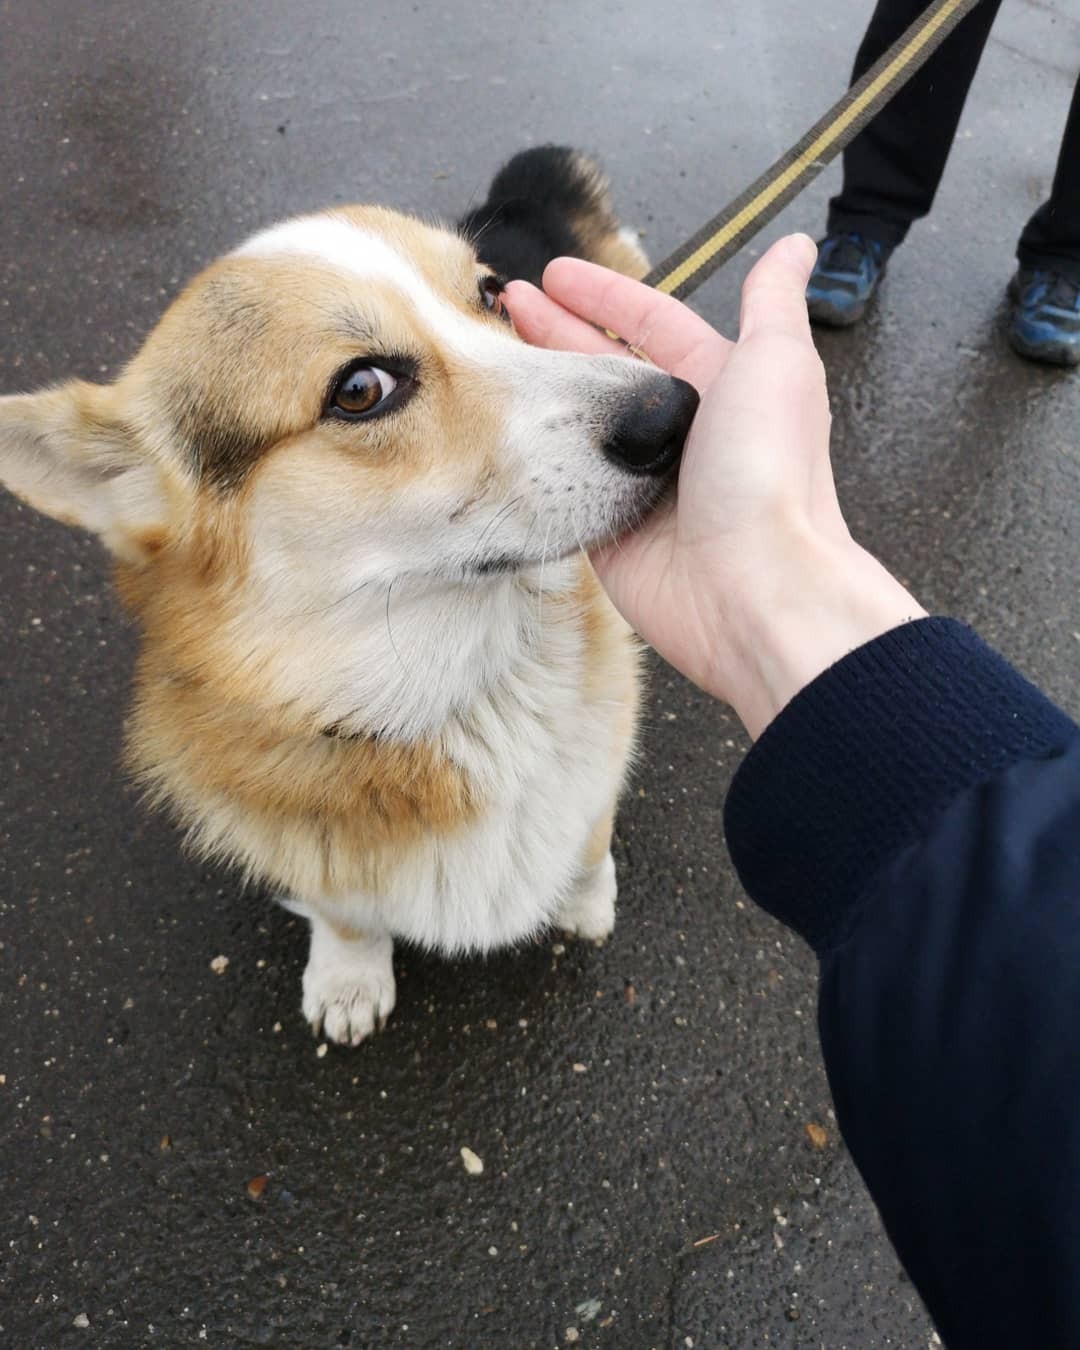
(950, 1026)
(914, 813)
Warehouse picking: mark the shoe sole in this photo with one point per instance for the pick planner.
(1046, 353)
(825, 316)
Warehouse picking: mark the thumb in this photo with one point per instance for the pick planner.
(774, 293)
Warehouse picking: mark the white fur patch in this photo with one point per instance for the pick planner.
(549, 765)
(348, 985)
(589, 911)
(347, 248)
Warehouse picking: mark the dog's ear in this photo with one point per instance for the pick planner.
(66, 452)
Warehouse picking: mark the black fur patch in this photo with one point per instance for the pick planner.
(223, 445)
(534, 207)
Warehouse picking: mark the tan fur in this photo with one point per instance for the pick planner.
(620, 254)
(310, 813)
(598, 231)
(216, 427)
(599, 840)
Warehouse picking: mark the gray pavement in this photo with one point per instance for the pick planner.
(669, 1195)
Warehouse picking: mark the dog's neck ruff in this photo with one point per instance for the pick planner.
(436, 656)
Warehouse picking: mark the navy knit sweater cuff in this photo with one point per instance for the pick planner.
(864, 759)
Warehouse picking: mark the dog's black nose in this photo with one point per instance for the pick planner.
(648, 432)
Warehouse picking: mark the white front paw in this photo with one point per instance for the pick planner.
(589, 911)
(348, 985)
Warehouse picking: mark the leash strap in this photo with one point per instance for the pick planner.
(726, 233)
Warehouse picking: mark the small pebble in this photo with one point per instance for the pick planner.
(580, 1068)
(818, 1137)
(256, 1186)
(321, 1051)
(219, 965)
(81, 1321)
(571, 1335)
(559, 949)
(473, 1164)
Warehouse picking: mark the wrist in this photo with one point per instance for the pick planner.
(828, 598)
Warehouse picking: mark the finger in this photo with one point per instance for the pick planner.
(543, 323)
(774, 293)
(657, 325)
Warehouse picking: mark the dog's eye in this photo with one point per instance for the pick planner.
(361, 390)
(491, 289)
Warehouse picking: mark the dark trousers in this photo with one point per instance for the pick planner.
(892, 169)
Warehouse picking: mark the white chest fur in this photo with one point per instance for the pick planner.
(551, 767)
(547, 753)
(528, 695)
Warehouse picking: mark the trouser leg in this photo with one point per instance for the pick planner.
(893, 167)
(1051, 237)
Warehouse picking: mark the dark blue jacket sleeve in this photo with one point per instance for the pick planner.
(915, 814)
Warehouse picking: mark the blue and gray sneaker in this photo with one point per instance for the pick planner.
(1046, 317)
(845, 276)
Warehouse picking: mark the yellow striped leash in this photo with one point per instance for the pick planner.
(726, 233)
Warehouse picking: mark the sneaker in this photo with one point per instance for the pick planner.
(845, 276)
(1046, 317)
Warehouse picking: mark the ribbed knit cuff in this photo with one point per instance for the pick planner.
(863, 760)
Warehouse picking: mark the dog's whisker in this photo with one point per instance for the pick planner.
(616, 537)
(390, 633)
(474, 233)
(495, 520)
(528, 534)
(310, 613)
(574, 527)
(540, 588)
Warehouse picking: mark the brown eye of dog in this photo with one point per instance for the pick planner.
(491, 289)
(361, 390)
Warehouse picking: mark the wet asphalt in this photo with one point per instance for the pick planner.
(178, 1165)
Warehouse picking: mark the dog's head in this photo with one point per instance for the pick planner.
(340, 406)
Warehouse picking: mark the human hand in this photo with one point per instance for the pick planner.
(749, 582)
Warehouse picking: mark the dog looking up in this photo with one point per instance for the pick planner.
(348, 509)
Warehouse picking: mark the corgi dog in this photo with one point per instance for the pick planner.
(350, 511)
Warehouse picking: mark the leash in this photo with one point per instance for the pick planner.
(726, 233)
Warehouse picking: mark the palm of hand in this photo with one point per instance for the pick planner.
(756, 455)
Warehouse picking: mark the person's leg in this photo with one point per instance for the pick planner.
(1045, 323)
(1051, 238)
(893, 167)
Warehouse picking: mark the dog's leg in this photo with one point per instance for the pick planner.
(349, 981)
(589, 910)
